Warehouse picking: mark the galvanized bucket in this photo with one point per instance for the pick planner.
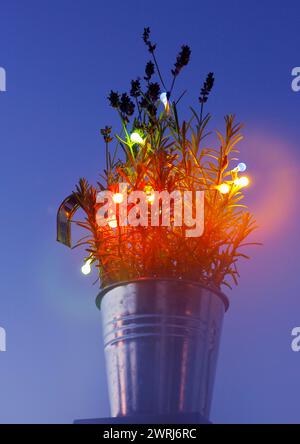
(161, 340)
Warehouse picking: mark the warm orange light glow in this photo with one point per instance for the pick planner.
(223, 188)
(118, 198)
(242, 181)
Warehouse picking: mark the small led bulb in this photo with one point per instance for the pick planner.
(223, 188)
(113, 223)
(164, 99)
(86, 267)
(242, 167)
(150, 198)
(118, 198)
(136, 138)
(242, 181)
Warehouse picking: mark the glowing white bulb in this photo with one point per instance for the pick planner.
(164, 99)
(86, 267)
(118, 198)
(241, 167)
(136, 138)
(241, 181)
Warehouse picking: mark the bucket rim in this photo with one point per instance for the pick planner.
(108, 288)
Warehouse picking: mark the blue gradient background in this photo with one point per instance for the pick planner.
(61, 58)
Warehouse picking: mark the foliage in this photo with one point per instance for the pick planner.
(174, 156)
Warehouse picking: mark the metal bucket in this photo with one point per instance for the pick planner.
(161, 340)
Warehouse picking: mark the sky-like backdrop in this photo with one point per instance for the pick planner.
(61, 60)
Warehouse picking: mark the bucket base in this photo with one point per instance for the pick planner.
(191, 418)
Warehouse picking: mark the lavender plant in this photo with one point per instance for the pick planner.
(174, 155)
